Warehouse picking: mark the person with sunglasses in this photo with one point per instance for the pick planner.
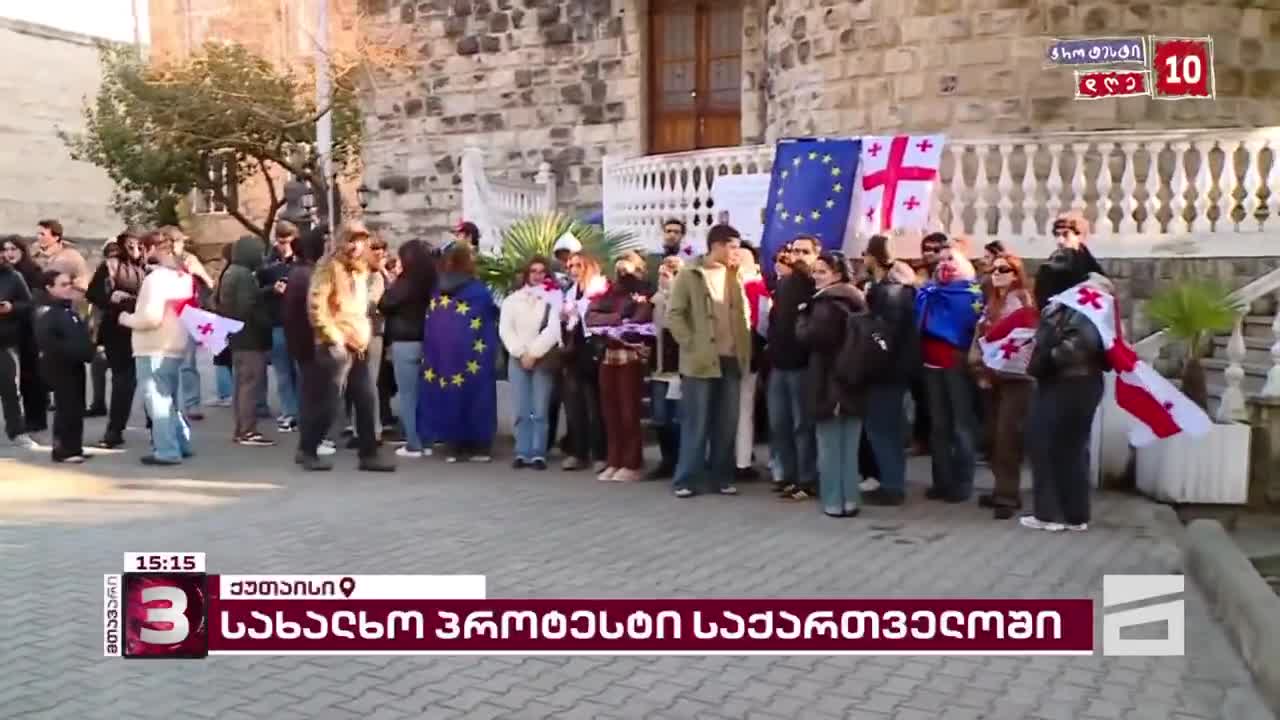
(1009, 304)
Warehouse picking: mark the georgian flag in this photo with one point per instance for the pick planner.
(896, 187)
(1007, 345)
(209, 330)
(1161, 410)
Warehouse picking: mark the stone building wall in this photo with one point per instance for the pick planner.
(564, 81)
(45, 74)
(530, 80)
(975, 67)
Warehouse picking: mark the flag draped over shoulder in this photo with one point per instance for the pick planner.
(950, 311)
(1007, 345)
(458, 401)
(1160, 409)
(810, 193)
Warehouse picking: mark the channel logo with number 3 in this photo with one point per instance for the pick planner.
(165, 616)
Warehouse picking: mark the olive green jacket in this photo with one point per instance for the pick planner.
(691, 322)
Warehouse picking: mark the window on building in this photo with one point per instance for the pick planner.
(695, 74)
(222, 173)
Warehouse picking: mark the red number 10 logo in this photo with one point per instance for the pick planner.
(1183, 68)
(165, 615)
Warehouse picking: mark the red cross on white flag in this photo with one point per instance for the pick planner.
(898, 175)
(209, 330)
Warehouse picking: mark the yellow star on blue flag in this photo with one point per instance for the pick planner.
(810, 194)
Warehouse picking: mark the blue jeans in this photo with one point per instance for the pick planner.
(223, 381)
(406, 364)
(158, 381)
(532, 395)
(791, 427)
(838, 440)
(953, 430)
(708, 427)
(189, 380)
(886, 426)
(286, 373)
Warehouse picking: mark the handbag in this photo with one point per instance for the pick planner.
(551, 361)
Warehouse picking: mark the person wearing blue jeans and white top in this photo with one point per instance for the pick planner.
(159, 346)
(529, 326)
(404, 309)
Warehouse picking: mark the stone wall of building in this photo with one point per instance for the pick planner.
(45, 76)
(975, 67)
(529, 80)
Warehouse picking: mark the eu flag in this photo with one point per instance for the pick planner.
(810, 193)
(950, 312)
(458, 401)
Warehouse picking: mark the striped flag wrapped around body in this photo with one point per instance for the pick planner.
(1007, 345)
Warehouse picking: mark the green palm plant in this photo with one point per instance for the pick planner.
(537, 235)
(1192, 311)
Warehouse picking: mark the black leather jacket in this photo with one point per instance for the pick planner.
(1067, 345)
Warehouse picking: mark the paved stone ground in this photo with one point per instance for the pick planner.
(560, 534)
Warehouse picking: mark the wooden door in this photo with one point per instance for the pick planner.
(695, 61)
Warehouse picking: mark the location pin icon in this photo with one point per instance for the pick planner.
(347, 585)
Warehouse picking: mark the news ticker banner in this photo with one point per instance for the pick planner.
(1164, 68)
(165, 606)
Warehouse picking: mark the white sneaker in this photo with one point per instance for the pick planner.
(25, 441)
(1031, 521)
(1082, 527)
(731, 490)
(221, 402)
(869, 485)
(405, 452)
(326, 447)
(480, 459)
(607, 474)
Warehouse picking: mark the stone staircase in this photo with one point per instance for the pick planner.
(1258, 339)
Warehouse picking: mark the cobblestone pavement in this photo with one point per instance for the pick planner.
(562, 534)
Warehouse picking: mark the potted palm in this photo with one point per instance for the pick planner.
(1212, 468)
(537, 235)
(1191, 312)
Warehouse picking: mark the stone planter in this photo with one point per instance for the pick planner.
(1211, 469)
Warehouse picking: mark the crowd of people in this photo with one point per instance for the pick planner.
(843, 367)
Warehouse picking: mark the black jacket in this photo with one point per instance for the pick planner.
(62, 337)
(895, 304)
(276, 269)
(786, 352)
(241, 298)
(821, 328)
(14, 290)
(299, 337)
(1067, 345)
(127, 278)
(404, 308)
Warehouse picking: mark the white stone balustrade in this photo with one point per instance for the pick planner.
(1232, 407)
(493, 204)
(1148, 194)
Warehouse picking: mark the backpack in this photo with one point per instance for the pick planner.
(866, 354)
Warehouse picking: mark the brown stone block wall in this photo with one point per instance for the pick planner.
(974, 67)
(558, 81)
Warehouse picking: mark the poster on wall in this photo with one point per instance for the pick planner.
(739, 200)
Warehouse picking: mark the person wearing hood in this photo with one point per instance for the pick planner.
(113, 290)
(65, 346)
(241, 298)
(891, 297)
(618, 320)
(273, 278)
(15, 323)
(1068, 363)
(458, 404)
(338, 309)
(837, 407)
